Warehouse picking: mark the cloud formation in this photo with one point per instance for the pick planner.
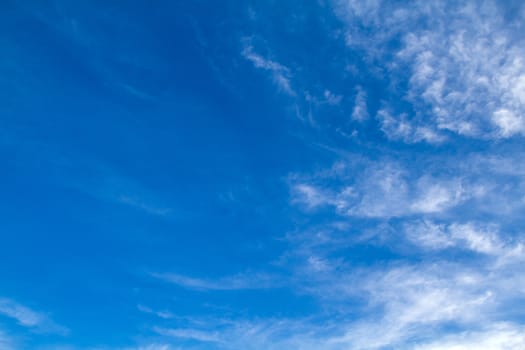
(390, 215)
(465, 61)
(385, 189)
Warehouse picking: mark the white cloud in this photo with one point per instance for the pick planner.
(479, 239)
(139, 203)
(267, 334)
(280, 74)
(465, 63)
(160, 314)
(310, 196)
(429, 235)
(360, 111)
(29, 318)
(407, 304)
(401, 128)
(479, 184)
(508, 122)
(404, 306)
(402, 303)
(471, 80)
(499, 336)
(482, 238)
(385, 189)
(23, 315)
(331, 98)
(192, 334)
(235, 282)
(436, 196)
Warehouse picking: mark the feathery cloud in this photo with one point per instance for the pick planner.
(465, 64)
(235, 282)
(29, 318)
(279, 73)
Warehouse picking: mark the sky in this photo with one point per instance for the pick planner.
(262, 175)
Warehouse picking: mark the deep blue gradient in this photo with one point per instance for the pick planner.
(198, 175)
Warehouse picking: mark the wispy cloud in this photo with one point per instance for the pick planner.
(414, 301)
(141, 204)
(401, 128)
(499, 336)
(385, 190)
(192, 334)
(235, 282)
(29, 318)
(466, 72)
(456, 272)
(419, 249)
(280, 74)
(331, 98)
(360, 111)
(411, 303)
(161, 314)
(482, 239)
(268, 334)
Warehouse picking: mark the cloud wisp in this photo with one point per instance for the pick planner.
(247, 281)
(29, 318)
(280, 74)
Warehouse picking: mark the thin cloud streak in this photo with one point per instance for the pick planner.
(237, 282)
(279, 73)
(29, 318)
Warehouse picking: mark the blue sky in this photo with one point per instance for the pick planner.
(262, 175)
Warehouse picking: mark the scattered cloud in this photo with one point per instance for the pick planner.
(453, 280)
(457, 280)
(465, 64)
(407, 306)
